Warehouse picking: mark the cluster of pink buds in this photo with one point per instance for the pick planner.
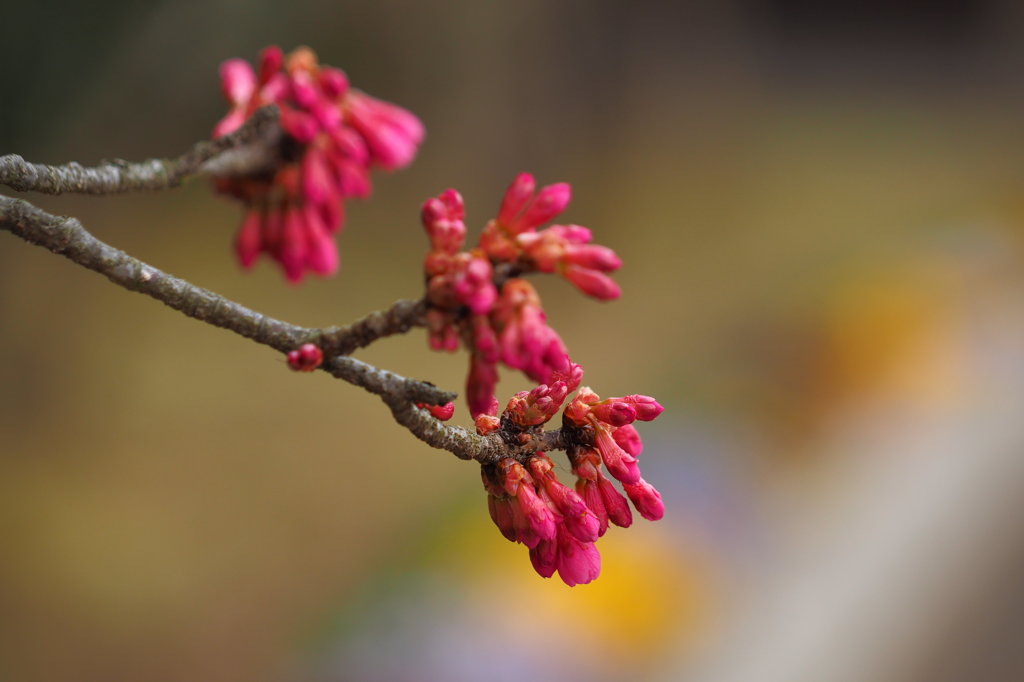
(333, 135)
(305, 358)
(479, 296)
(527, 502)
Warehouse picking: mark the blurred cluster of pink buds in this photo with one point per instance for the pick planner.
(527, 502)
(334, 134)
(479, 296)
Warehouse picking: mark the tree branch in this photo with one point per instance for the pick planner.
(253, 148)
(66, 236)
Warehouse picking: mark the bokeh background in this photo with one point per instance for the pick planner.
(820, 207)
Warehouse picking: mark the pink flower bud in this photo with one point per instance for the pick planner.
(578, 562)
(628, 439)
(615, 504)
(577, 516)
(303, 90)
(292, 254)
(392, 134)
(453, 202)
(549, 202)
(306, 358)
(249, 240)
(572, 375)
(473, 286)
(484, 342)
(590, 492)
(516, 197)
(321, 252)
(440, 412)
(486, 424)
(646, 499)
(576, 412)
(593, 256)
(483, 377)
(573, 235)
(333, 82)
(349, 145)
(592, 282)
(620, 463)
(647, 408)
(237, 81)
(332, 214)
(539, 516)
(500, 509)
(614, 413)
(299, 125)
(276, 89)
(352, 179)
(271, 60)
(433, 211)
(326, 113)
(273, 228)
(544, 557)
(317, 185)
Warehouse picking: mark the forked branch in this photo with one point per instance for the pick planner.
(67, 237)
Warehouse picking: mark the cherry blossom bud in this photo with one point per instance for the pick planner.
(628, 439)
(275, 89)
(303, 90)
(271, 60)
(620, 463)
(577, 516)
(350, 145)
(646, 499)
(592, 282)
(571, 375)
(321, 252)
(544, 557)
(615, 504)
(486, 424)
(647, 408)
(237, 81)
(249, 240)
(578, 562)
(299, 125)
(614, 412)
(549, 202)
(574, 235)
(539, 516)
(333, 82)
(500, 509)
(484, 343)
(332, 214)
(480, 383)
(473, 286)
(273, 227)
(293, 245)
(392, 134)
(516, 197)
(440, 412)
(317, 186)
(592, 256)
(590, 492)
(306, 358)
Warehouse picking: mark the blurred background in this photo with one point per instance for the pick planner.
(820, 207)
